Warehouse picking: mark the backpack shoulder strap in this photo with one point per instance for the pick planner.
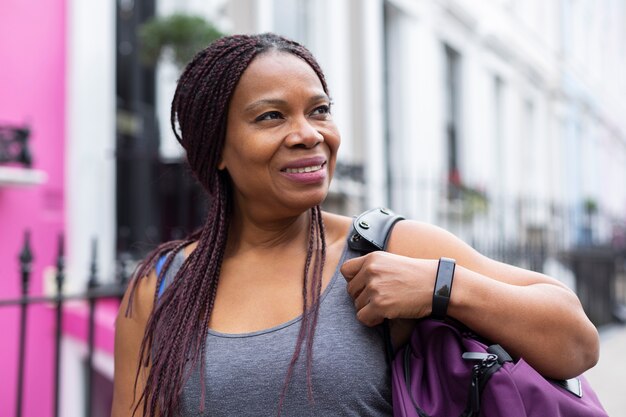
(371, 230)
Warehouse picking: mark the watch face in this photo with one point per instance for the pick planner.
(445, 274)
(443, 288)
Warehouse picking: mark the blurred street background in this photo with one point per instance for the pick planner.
(499, 120)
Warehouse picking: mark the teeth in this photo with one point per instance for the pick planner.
(303, 169)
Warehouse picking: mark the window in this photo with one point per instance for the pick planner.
(290, 19)
(452, 116)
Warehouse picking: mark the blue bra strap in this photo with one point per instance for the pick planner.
(158, 267)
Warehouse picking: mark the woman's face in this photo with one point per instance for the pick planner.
(281, 141)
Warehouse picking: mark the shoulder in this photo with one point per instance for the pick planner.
(408, 237)
(423, 240)
(189, 248)
(129, 332)
(336, 226)
(138, 302)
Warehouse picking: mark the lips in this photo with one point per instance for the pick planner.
(312, 168)
(305, 165)
(306, 170)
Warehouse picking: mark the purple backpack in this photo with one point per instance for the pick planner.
(447, 371)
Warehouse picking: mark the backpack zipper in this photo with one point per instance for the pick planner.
(481, 372)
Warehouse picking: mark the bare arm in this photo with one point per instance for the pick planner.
(129, 332)
(532, 315)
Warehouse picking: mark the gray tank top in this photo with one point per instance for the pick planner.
(245, 373)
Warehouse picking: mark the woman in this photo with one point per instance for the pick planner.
(265, 311)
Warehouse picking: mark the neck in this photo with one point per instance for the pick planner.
(251, 231)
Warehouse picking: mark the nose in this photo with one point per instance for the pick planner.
(304, 134)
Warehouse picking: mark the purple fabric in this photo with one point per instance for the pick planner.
(441, 378)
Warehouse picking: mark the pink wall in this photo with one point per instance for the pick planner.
(32, 91)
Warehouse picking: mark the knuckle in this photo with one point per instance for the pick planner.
(373, 286)
(374, 267)
(375, 301)
(376, 286)
(380, 301)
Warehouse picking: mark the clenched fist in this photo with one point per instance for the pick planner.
(388, 286)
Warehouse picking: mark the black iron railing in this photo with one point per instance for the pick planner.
(94, 292)
(600, 273)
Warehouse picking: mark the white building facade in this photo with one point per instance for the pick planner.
(499, 120)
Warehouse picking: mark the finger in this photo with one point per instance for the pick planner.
(361, 300)
(357, 283)
(368, 316)
(351, 267)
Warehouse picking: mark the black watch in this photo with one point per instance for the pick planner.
(443, 288)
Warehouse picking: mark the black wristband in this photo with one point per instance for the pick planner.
(443, 288)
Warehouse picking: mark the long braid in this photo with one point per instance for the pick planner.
(311, 309)
(304, 328)
(174, 342)
(320, 260)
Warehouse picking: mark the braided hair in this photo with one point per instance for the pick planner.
(178, 325)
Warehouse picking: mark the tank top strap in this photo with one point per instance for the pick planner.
(171, 272)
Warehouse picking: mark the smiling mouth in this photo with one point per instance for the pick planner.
(302, 170)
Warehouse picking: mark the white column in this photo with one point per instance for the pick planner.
(329, 40)
(426, 128)
(264, 16)
(372, 111)
(90, 144)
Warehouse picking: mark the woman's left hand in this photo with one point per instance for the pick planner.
(388, 286)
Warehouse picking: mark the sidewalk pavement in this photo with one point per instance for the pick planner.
(608, 375)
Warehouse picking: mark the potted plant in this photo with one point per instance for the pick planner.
(177, 37)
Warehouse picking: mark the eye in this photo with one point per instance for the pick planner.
(321, 110)
(270, 115)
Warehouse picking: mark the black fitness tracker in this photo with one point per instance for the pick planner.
(443, 288)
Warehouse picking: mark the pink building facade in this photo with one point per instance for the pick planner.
(32, 94)
(57, 78)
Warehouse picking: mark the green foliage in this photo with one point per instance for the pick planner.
(469, 200)
(590, 206)
(184, 35)
(474, 202)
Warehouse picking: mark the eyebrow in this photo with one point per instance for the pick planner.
(278, 102)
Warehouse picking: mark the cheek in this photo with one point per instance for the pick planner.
(333, 145)
(331, 133)
(334, 142)
(246, 163)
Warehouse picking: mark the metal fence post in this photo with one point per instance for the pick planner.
(91, 284)
(123, 275)
(60, 279)
(26, 262)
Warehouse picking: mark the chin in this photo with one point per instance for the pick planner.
(305, 202)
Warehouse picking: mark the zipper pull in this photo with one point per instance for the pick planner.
(475, 390)
(475, 356)
(485, 361)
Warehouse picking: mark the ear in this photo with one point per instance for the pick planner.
(221, 165)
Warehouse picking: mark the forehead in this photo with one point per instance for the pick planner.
(276, 72)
